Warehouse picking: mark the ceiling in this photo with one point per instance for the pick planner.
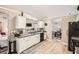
(40, 11)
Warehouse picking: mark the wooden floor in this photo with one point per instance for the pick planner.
(49, 47)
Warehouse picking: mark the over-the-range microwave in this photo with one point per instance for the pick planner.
(28, 24)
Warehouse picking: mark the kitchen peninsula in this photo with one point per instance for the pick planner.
(25, 42)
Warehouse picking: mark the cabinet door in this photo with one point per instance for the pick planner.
(20, 22)
(36, 39)
(28, 42)
(40, 24)
(22, 44)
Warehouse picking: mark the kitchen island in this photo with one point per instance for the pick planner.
(25, 42)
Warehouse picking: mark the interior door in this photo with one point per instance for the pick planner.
(56, 28)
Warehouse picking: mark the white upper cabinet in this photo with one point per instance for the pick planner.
(40, 24)
(20, 22)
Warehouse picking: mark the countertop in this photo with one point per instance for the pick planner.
(31, 34)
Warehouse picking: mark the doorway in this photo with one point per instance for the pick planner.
(56, 28)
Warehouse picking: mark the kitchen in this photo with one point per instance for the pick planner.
(27, 31)
(33, 34)
(22, 31)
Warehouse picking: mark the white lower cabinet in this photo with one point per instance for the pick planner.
(26, 42)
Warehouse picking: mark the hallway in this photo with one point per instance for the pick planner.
(49, 47)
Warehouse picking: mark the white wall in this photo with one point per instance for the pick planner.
(48, 28)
